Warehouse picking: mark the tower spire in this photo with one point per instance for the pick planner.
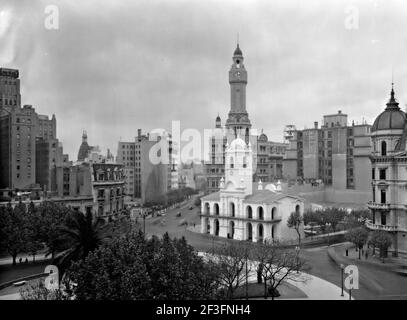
(392, 104)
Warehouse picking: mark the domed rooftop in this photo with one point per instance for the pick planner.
(263, 137)
(238, 144)
(238, 52)
(392, 117)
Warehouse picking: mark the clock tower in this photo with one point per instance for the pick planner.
(238, 123)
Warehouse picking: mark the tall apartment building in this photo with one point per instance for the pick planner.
(389, 175)
(269, 159)
(9, 88)
(20, 129)
(126, 155)
(146, 180)
(268, 155)
(48, 156)
(337, 153)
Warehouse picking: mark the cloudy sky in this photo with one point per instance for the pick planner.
(115, 66)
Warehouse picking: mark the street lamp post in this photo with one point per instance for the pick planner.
(342, 268)
(247, 273)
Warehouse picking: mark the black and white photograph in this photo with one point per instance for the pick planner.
(232, 153)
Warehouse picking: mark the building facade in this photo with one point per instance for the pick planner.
(244, 210)
(268, 155)
(145, 179)
(126, 154)
(21, 128)
(92, 186)
(336, 154)
(389, 175)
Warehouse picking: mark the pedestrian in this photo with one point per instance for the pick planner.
(194, 225)
(20, 260)
(26, 260)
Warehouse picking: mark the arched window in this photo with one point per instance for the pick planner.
(206, 208)
(216, 209)
(297, 208)
(216, 227)
(249, 231)
(232, 209)
(273, 213)
(260, 213)
(244, 162)
(207, 226)
(384, 148)
(232, 164)
(260, 233)
(231, 231)
(249, 212)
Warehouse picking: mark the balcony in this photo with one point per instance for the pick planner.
(381, 227)
(378, 206)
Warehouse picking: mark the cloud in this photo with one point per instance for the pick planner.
(114, 67)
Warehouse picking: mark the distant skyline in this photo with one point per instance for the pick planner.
(115, 66)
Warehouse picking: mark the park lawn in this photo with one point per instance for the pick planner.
(256, 290)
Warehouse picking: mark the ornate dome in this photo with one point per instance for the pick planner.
(263, 137)
(238, 144)
(391, 118)
(238, 52)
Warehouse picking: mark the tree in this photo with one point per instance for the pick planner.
(132, 267)
(230, 260)
(197, 202)
(36, 290)
(310, 217)
(295, 221)
(357, 218)
(358, 236)
(34, 226)
(81, 234)
(381, 240)
(14, 230)
(277, 265)
(52, 217)
(334, 216)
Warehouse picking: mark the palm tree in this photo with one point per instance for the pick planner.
(80, 235)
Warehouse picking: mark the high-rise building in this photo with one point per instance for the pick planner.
(21, 128)
(389, 175)
(337, 154)
(126, 155)
(9, 88)
(268, 155)
(145, 179)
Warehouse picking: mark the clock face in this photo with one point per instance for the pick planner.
(237, 74)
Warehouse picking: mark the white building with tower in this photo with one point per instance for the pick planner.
(244, 210)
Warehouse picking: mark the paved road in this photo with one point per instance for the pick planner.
(374, 282)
